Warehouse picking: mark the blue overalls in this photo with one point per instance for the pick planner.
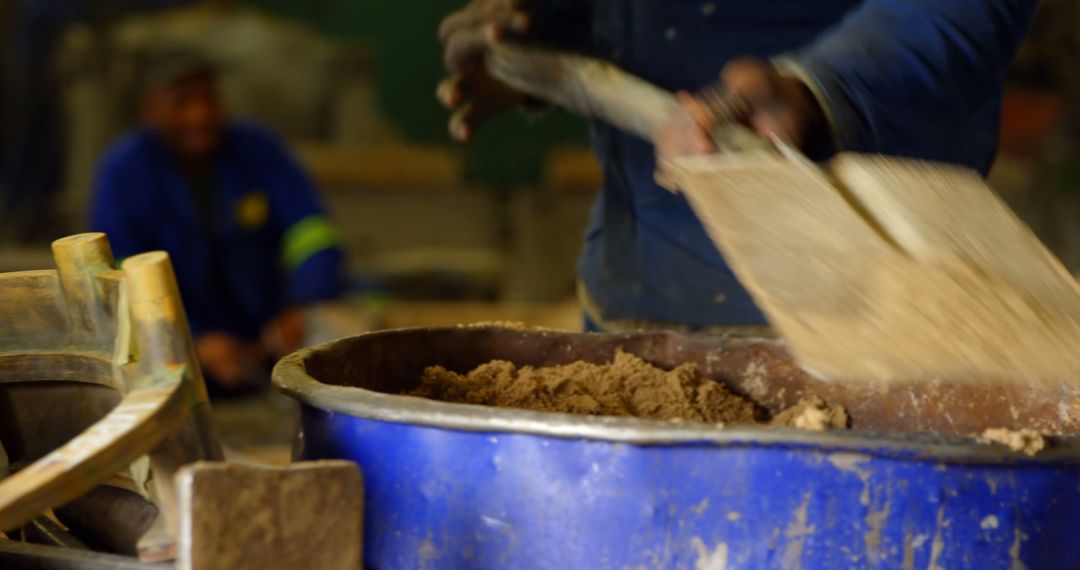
(915, 78)
(268, 246)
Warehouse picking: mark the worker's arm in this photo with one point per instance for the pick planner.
(915, 78)
(469, 91)
(899, 74)
(311, 255)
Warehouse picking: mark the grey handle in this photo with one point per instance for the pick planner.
(600, 90)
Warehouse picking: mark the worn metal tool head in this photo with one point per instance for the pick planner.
(889, 269)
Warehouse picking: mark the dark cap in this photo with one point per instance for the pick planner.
(164, 65)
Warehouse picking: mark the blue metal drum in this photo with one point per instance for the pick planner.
(458, 486)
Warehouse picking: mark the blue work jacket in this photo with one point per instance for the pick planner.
(914, 78)
(269, 245)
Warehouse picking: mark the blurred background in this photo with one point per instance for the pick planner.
(436, 233)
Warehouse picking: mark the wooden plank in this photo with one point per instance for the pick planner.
(159, 329)
(32, 314)
(234, 517)
(53, 365)
(79, 260)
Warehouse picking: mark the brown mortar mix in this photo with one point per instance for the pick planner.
(627, 387)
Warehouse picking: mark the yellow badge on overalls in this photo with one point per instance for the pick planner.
(252, 210)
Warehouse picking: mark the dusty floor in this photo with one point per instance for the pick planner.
(257, 429)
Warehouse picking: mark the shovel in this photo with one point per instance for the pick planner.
(871, 268)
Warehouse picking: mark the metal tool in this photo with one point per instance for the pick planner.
(597, 89)
(872, 268)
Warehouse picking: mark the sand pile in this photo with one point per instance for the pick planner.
(628, 387)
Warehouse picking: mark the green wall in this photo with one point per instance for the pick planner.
(507, 151)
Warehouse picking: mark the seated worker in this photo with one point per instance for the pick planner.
(914, 78)
(248, 237)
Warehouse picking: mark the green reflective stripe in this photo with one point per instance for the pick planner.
(306, 238)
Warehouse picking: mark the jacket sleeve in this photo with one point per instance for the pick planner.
(311, 252)
(917, 77)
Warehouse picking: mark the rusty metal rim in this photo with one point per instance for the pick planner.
(85, 367)
(291, 378)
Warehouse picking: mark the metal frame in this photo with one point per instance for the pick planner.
(291, 377)
(123, 329)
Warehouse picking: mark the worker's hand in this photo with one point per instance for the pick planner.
(230, 361)
(284, 334)
(682, 134)
(470, 91)
(779, 106)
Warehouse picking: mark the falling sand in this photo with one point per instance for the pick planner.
(627, 387)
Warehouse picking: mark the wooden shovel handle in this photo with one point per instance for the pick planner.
(583, 85)
(599, 90)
